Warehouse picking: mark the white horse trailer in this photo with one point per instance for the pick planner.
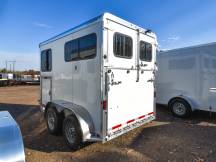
(186, 79)
(97, 80)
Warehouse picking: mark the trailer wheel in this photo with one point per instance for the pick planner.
(180, 108)
(72, 132)
(53, 120)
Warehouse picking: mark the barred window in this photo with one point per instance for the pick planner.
(122, 45)
(145, 51)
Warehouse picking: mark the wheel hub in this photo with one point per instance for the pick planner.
(70, 132)
(51, 120)
(179, 108)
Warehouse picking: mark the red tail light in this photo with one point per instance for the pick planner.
(104, 104)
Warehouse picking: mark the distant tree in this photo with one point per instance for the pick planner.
(37, 72)
(30, 72)
(3, 70)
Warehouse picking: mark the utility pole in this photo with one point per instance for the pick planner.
(6, 65)
(14, 62)
(11, 62)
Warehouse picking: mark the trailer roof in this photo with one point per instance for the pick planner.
(93, 20)
(189, 47)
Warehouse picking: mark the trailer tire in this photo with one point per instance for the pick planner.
(53, 121)
(72, 132)
(180, 108)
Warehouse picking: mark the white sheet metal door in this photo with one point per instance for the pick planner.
(147, 64)
(46, 73)
(130, 93)
(209, 82)
(212, 90)
(212, 98)
(46, 84)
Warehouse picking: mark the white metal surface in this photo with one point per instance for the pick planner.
(82, 83)
(11, 143)
(131, 98)
(46, 89)
(189, 73)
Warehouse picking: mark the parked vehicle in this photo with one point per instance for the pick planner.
(11, 142)
(97, 80)
(3, 79)
(10, 76)
(26, 78)
(30, 79)
(186, 79)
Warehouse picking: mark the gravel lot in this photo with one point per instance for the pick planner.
(165, 139)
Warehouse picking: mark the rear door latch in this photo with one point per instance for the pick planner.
(150, 80)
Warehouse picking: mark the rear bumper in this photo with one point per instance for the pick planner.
(130, 125)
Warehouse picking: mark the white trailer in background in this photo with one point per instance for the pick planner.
(10, 76)
(186, 79)
(97, 80)
(26, 78)
(3, 79)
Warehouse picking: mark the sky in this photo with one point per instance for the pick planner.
(26, 23)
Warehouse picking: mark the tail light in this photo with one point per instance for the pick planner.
(104, 104)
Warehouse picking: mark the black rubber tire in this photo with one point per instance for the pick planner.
(187, 113)
(71, 122)
(57, 123)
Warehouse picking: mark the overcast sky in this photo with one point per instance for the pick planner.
(26, 23)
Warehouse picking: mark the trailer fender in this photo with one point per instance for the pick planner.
(82, 115)
(190, 101)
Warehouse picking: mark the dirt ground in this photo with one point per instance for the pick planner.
(165, 139)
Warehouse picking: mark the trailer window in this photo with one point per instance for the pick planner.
(46, 60)
(81, 48)
(122, 45)
(71, 50)
(87, 46)
(145, 51)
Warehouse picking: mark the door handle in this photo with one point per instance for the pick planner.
(150, 80)
(75, 67)
(213, 90)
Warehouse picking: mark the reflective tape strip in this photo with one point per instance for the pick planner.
(117, 126)
(130, 121)
(151, 113)
(141, 117)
